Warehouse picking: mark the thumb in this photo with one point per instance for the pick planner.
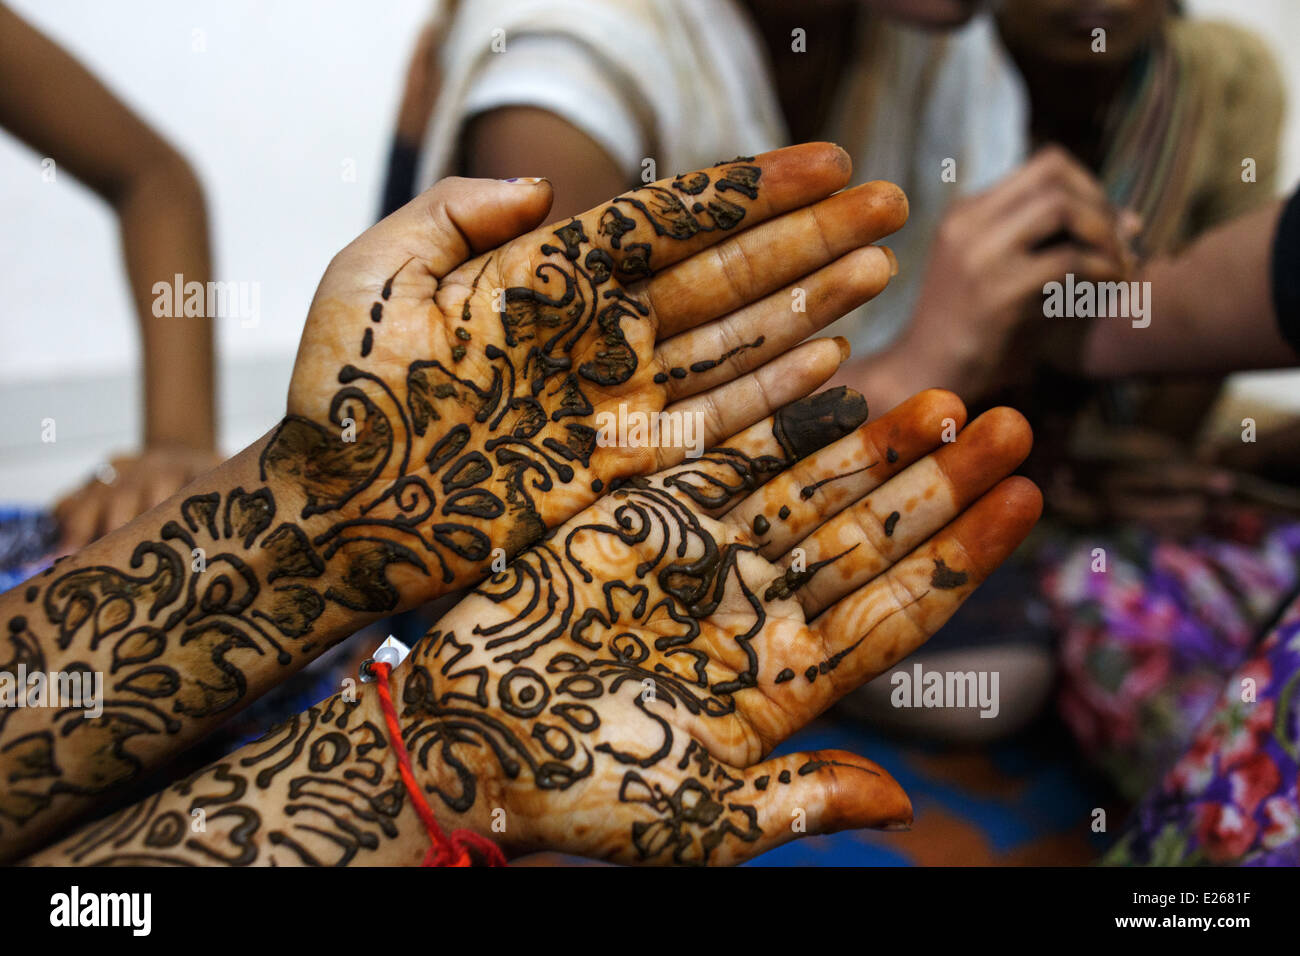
(454, 220)
(819, 791)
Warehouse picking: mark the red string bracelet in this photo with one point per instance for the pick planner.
(443, 851)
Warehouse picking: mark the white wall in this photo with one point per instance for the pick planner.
(282, 95)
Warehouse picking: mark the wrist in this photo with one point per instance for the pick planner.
(457, 798)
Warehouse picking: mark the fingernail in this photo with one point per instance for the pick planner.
(898, 826)
(845, 349)
(893, 259)
(525, 180)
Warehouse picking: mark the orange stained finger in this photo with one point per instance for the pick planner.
(867, 538)
(800, 500)
(719, 351)
(875, 627)
(762, 259)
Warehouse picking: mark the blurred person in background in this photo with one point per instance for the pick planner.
(1034, 138)
(52, 103)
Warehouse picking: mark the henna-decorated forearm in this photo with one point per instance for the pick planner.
(615, 691)
(141, 643)
(442, 416)
(320, 789)
(323, 788)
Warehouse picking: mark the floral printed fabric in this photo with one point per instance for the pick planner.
(1232, 797)
(1150, 629)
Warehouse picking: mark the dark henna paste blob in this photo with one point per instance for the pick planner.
(945, 578)
(804, 426)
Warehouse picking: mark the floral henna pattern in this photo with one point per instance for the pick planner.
(430, 464)
(663, 636)
(491, 439)
(602, 668)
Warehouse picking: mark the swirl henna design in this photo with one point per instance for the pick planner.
(467, 442)
(222, 586)
(441, 412)
(335, 795)
(479, 434)
(615, 691)
(648, 654)
(323, 771)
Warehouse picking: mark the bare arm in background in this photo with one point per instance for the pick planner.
(54, 105)
(1212, 309)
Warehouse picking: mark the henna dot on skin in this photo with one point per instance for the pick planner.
(458, 353)
(783, 513)
(761, 526)
(890, 522)
(891, 456)
(367, 342)
(811, 674)
(388, 285)
(762, 782)
(17, 624)
(660, 378)
(462, 333)
(678, 373)
(377, 312)
(784, 776)
(785, 675)
(32, 592)
(597, 485)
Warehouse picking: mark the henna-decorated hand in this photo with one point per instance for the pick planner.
(444, 405)
(447, 400)
(617, 689)
(616, 692)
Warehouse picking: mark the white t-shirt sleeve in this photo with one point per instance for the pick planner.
(559, 74)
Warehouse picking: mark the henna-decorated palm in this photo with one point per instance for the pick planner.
(616, 691)
(446, 400)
